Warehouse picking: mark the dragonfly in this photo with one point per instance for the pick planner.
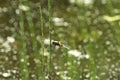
(60, 44)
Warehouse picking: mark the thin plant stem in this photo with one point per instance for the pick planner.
(50, 36)
(42, 32)
(34, 42)
(22, 53)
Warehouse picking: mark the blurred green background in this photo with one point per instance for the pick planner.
(88, 30)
